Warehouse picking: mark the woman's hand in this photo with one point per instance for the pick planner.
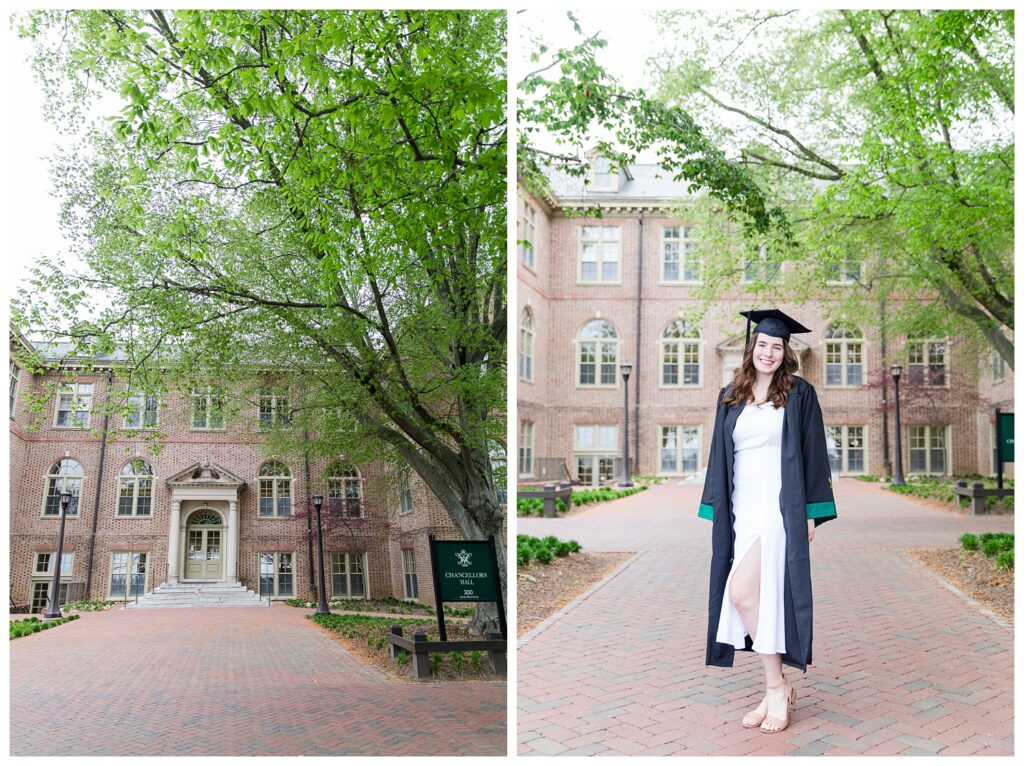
(810, 529)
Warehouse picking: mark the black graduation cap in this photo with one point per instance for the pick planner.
(772, 322)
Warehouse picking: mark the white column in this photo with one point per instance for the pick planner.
(232, 541)
(174, 541)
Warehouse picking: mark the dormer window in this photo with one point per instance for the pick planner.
(604, 177)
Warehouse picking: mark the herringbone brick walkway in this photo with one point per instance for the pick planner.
(902, 665)
(230, 682)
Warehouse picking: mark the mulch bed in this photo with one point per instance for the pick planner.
(542, 589)
(380, 657)
(974, 574)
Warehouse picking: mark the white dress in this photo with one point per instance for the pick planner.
(757, 483)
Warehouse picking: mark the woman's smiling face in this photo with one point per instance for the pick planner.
(767, 354)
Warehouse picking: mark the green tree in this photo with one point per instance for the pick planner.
(886, 136)
(320, 194)
(570, 96)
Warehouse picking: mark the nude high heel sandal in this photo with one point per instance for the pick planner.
(780, 724)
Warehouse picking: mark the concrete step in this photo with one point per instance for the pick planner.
(197, 594)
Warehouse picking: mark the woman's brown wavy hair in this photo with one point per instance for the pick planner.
(746, 374)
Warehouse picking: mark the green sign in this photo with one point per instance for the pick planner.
(465, 571)
(1006, 436)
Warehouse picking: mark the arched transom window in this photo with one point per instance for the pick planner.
(65, 476)
(344, 490)
(844, 356)
(526, 337)
(275, 489)
(680, 355)
(598, 354)
(135, 489)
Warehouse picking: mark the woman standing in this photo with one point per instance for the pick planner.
(768, 486)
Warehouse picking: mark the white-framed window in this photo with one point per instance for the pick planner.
(42, 578)
(143, 411)
(680, 259)
(998, 367)
(41, 593)
(498, 456)
(405, 491)
(679, 450)
(526, 343)
(844, 356)
(926, 362)
(528, 247)
(847, 449)
(411, 585)
(273, 406)
(603, 175)
(127, 574)
(65, 476)
(597, 354)
(594, 452)
(929, 449)
(45, 560)
(275, 489)
(680, 355)
(135, 489)
(348, 575)
(208, 408)
(847, 271)
(15, 377)
(344, 490)
(599, 254)
(277, 574)
(525, 448)
(74, 402)
(760, 267)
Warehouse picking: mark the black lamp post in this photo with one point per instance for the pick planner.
(627, 478)
(321, 604)
(897, 478)
(53, 607)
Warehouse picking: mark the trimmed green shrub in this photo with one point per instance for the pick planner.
(1005, 560)
(969, 541)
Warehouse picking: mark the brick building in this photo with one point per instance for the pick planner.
(207, 505)
(594, 293)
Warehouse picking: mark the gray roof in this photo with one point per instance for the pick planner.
(642, 182)
(64, 352)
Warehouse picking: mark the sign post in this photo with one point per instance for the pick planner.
(465, 571)
(1004, 442)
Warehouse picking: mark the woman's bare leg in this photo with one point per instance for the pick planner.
(745, 594)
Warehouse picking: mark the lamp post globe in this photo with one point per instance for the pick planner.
(897, 477)
(321, 602)
(53, 606)
(627, 479)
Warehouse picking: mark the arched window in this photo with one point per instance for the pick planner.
(680, 355)
(275, 489)
(135, 489)
(65, 476)
(844, 356)
(526, 336)
(344, 490)
(597, 354)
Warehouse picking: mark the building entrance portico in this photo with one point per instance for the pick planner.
(203, 539)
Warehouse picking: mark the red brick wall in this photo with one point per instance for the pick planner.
(381, 533)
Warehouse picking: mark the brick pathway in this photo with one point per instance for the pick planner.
(902, 665)
(230, 682)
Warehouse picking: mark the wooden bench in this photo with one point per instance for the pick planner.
(977, 493)
(421, 649)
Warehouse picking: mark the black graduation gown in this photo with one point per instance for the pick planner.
(806, 494)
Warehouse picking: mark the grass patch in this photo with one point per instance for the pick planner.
(544, 550)
(997, 545)
(942, 488)
(384, 605)
(31, 625)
